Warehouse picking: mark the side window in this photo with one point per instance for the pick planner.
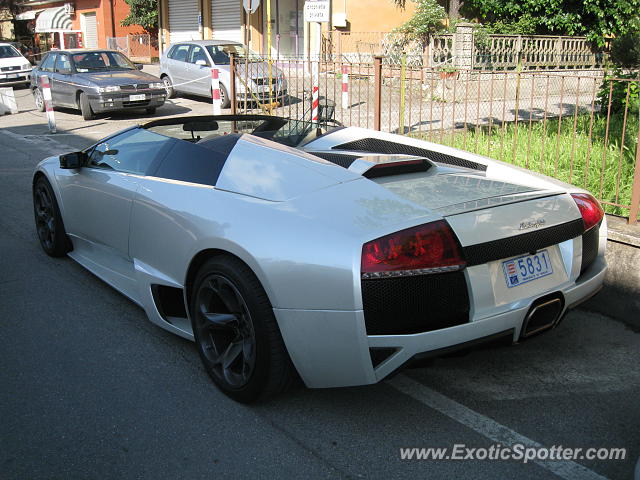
(131, 152)
(63, 65)
(47, 63)
(220, 57)
(198, 53)
(180, 53)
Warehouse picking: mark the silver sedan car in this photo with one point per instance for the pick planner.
(185, 67)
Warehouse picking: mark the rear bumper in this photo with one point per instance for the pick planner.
(331, 348)
(108, 102)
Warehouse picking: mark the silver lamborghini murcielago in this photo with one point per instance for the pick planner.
(339, 254)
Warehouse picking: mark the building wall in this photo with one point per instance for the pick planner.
(373, 15)
(6, 25)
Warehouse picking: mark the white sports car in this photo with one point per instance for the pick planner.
(341, 254)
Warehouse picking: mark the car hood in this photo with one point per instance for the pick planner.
(13, 62)
(118, 78)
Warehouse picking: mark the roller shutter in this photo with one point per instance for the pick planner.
(183, 20)
(90, 30)
(226, 21)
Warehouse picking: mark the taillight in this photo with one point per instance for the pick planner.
(590, 209)
(429, 248)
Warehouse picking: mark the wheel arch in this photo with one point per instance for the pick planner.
(77, 96)
(201, 258)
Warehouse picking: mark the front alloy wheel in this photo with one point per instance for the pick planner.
(49, 225)
(39, 99)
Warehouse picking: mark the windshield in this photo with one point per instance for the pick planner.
(101, 61)
(292, 133)
(9, 51)
(220, 53)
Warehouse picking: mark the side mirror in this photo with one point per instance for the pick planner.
(139, 66)
(202, 63)
(73, 160)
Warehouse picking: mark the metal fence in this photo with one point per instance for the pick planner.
(136, 47)
(579, 127)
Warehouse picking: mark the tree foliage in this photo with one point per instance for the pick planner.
(625, 51)
(143, 13)
(427, 19)
(596, 19)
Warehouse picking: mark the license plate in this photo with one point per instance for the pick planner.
(11, 75)
(527, 268)
(135, 98)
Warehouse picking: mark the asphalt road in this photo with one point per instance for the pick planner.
(90, 389)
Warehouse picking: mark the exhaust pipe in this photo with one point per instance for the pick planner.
(543, 314)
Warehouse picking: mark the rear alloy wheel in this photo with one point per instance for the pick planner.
(39, 99)
(49, 225)
(168, 86)
(236, 332)
(85, 107)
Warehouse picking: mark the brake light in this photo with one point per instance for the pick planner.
(429, 248)
(590, 209)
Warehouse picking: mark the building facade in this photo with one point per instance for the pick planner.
(290, 34)
(81, 23)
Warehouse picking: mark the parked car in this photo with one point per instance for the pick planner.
(96, 81)
(340, 253)
(14, 67)
(186, 68)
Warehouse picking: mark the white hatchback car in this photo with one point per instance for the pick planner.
(14, 68)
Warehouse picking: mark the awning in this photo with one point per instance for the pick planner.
(28, 15)
(53, 20)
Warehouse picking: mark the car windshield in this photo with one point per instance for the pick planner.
(101, 61)
(288, 132)
(9, 51)
(220, 53)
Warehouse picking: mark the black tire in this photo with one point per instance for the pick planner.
(168, 85)
(236, 332)
(85, 107)
(49, 224)
(225, 101)
(39, 99)
(150, 110)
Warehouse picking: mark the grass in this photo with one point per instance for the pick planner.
(551, 147)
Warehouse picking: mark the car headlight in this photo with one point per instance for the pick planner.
(27, 66)
(156, 85)
(112, 88)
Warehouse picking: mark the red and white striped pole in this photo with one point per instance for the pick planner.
(315, 91)
(46, 96)
(215, 92)
(345, 86)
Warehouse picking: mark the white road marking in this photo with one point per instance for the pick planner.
(41, 141)
(487, 427)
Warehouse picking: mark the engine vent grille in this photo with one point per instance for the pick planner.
(527, 242)
(378, 145)
(406, 305)
(337, 158)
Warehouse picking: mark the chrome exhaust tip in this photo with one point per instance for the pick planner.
(543, 314)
